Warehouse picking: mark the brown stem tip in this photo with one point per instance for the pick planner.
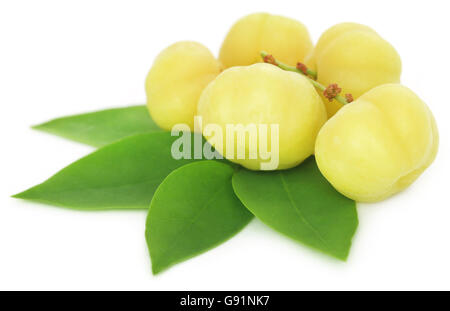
(270, 59)
(348, 98)
(302, 67)
(331, 91)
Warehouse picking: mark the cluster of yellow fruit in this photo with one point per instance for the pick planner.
(369, 149)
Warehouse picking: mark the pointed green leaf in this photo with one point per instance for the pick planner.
(123, 175)
(193, 210)
(301, 204)
(102, 127)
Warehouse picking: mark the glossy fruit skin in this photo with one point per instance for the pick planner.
(265, 94)
(287, 39)
(328, 36)
(176, 80)
(378, 145)
(356, 58)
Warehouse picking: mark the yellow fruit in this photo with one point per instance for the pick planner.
(176, 80)
(263, 94)
(328, 36)
(356, 58)
(287, 39)
(377, 145)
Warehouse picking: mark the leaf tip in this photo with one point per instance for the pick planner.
(37, 127)
(342, 258)
(156, 269)
(25, 195)
(342, 255)
(18, 195)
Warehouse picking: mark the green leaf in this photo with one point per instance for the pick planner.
(301, 204)
(123, 175)
(102, 127)
(193, 210)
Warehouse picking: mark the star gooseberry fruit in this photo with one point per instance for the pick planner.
(286, 38)
(263, 94)
(377, 145)
(356, 58)
(176, 80)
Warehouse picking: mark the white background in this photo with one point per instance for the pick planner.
(63, 57)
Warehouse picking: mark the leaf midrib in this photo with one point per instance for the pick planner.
(96, 187)
(189, 225)
(300, 213)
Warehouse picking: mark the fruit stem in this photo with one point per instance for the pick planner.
(308, 73)
(305, 71)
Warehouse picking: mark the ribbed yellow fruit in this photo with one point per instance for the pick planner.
(378, 145)
(176, 80)
(287, 39)
(356, 58)
(263, 94)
